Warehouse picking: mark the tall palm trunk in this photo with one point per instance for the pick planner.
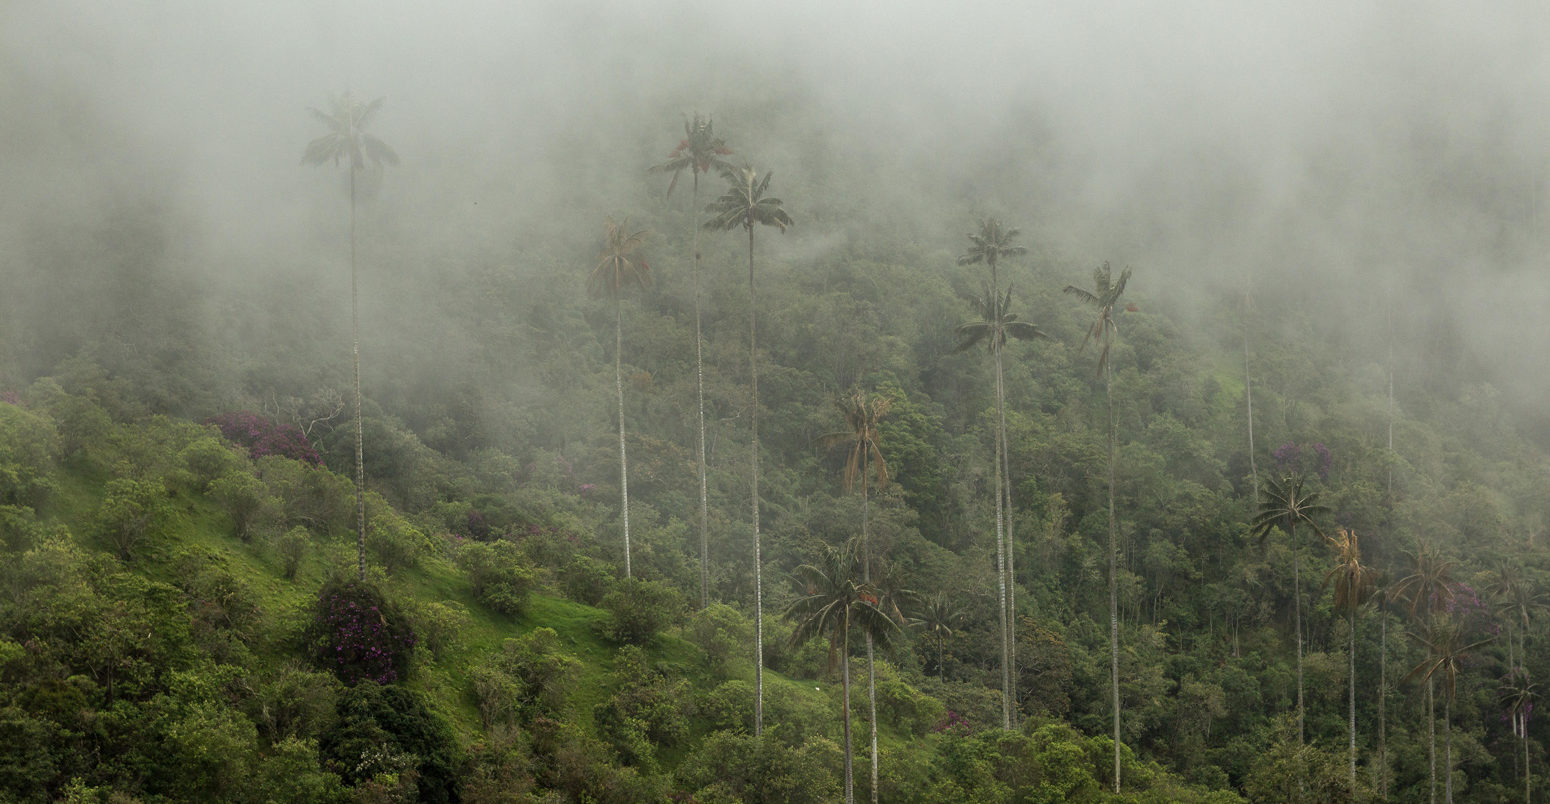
(699, 390)
(1011, 543)
(1447, 739)
(850, 783)
(355, 355)
(1297, 622)
(1523, 730)
(758, 573)
(866, 577)
(1108, 395)
(1248, 395)
(1431, 737)
(624, 473)
(1352, 702)
(1003, 548)
(1383, 689)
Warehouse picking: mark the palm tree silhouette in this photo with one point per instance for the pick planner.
(745, 204)
(1354, 584)
(347, 139)
(1285, 504)
(619, 266)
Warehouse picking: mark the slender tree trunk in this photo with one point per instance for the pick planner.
(850, 783)
(1352, 702)
(1527, 797)
(1297, 623)
(1006, 676)
(866, 577)
(1108, 394)
(1383, 689)
(758, 563)
(1431, 737)
(624, 474)
(1248, 395)
(699, 390)
(1011, 543)
(1447, 740)
(1390, 325)
(355, 355)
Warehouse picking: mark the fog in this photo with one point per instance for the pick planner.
(1352, 153)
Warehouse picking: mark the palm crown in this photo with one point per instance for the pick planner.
(1354, 581)
(347, 138)
(620, 263)
(1104, 295)
(745, 204)
(1286, 505)
(995, 324)
(862, 414)
(991, 243)
(699, 151)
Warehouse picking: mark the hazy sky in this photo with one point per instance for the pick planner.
(1199, 141)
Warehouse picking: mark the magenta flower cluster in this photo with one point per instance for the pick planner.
(954, 722)
(263, 437)
(358, 639)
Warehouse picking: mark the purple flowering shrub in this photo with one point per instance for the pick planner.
(358, 635)
(264, 437)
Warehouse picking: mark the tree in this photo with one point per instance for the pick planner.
(1103, 297)
(936, 618)
(619, 266)
(992, 242)
(1285, 505)
(1443, 639)
(1354, 584)
(698, 152)
(995, 324)
(862, 414)
(347, 139)
(745, 204)
(1426, 592)
(832, 603)
(1518, 694)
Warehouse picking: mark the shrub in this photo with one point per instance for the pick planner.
(396, 543)
(723, 633)
(263, 437)
(292, 546)
(639, 609)
(244, 497)
(385, 734)
(586, 580)
(358, 635)
(499, 578)
(132, 511)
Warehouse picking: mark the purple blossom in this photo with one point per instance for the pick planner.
(263, 437)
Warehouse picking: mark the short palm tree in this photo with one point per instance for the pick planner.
(862, 414)
(1354, 584)
(832, 604)
(936, 617)
(1518, 694)
(996, 323)
(347, 139)
(620, 266)
(1286, 504)
(746, 205)
(1104, 297)
(698, 152)
(1446, 649)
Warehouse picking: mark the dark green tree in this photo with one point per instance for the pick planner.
(833, 603)
(1354, 583)
(862, 413)
(1286, 504)
(698, 152)
(1446, 651)
(347, 139)
(745, 205)
(1104, 297)
(618, 267)
(1426, 593)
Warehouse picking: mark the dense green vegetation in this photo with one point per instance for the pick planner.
(1061, 554)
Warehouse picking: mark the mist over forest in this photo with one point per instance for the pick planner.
(1344, 202)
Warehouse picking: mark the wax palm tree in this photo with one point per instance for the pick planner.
(1104, 297)
(745, 205)
(618, 267)
(1426, 592)
(1516, 601)
(1446, 650)
(698, 152)
(936, 617)
(996, 323)
(1286, 504)
(832, 603)
(347, 139)
(862, 413)
(1518, 694)
(1354, 584)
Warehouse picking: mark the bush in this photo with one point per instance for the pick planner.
(206, 459)
(263, 437)
(499, 578)
(723, 633)
(647, 709)
(358, 635)
(730, 766)
(639, 609)
(438, 623)
(292, 547)
(243, 497)
(132, 511)
(586, 580)
(544, 674)
(396, 543)
(386, 734)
